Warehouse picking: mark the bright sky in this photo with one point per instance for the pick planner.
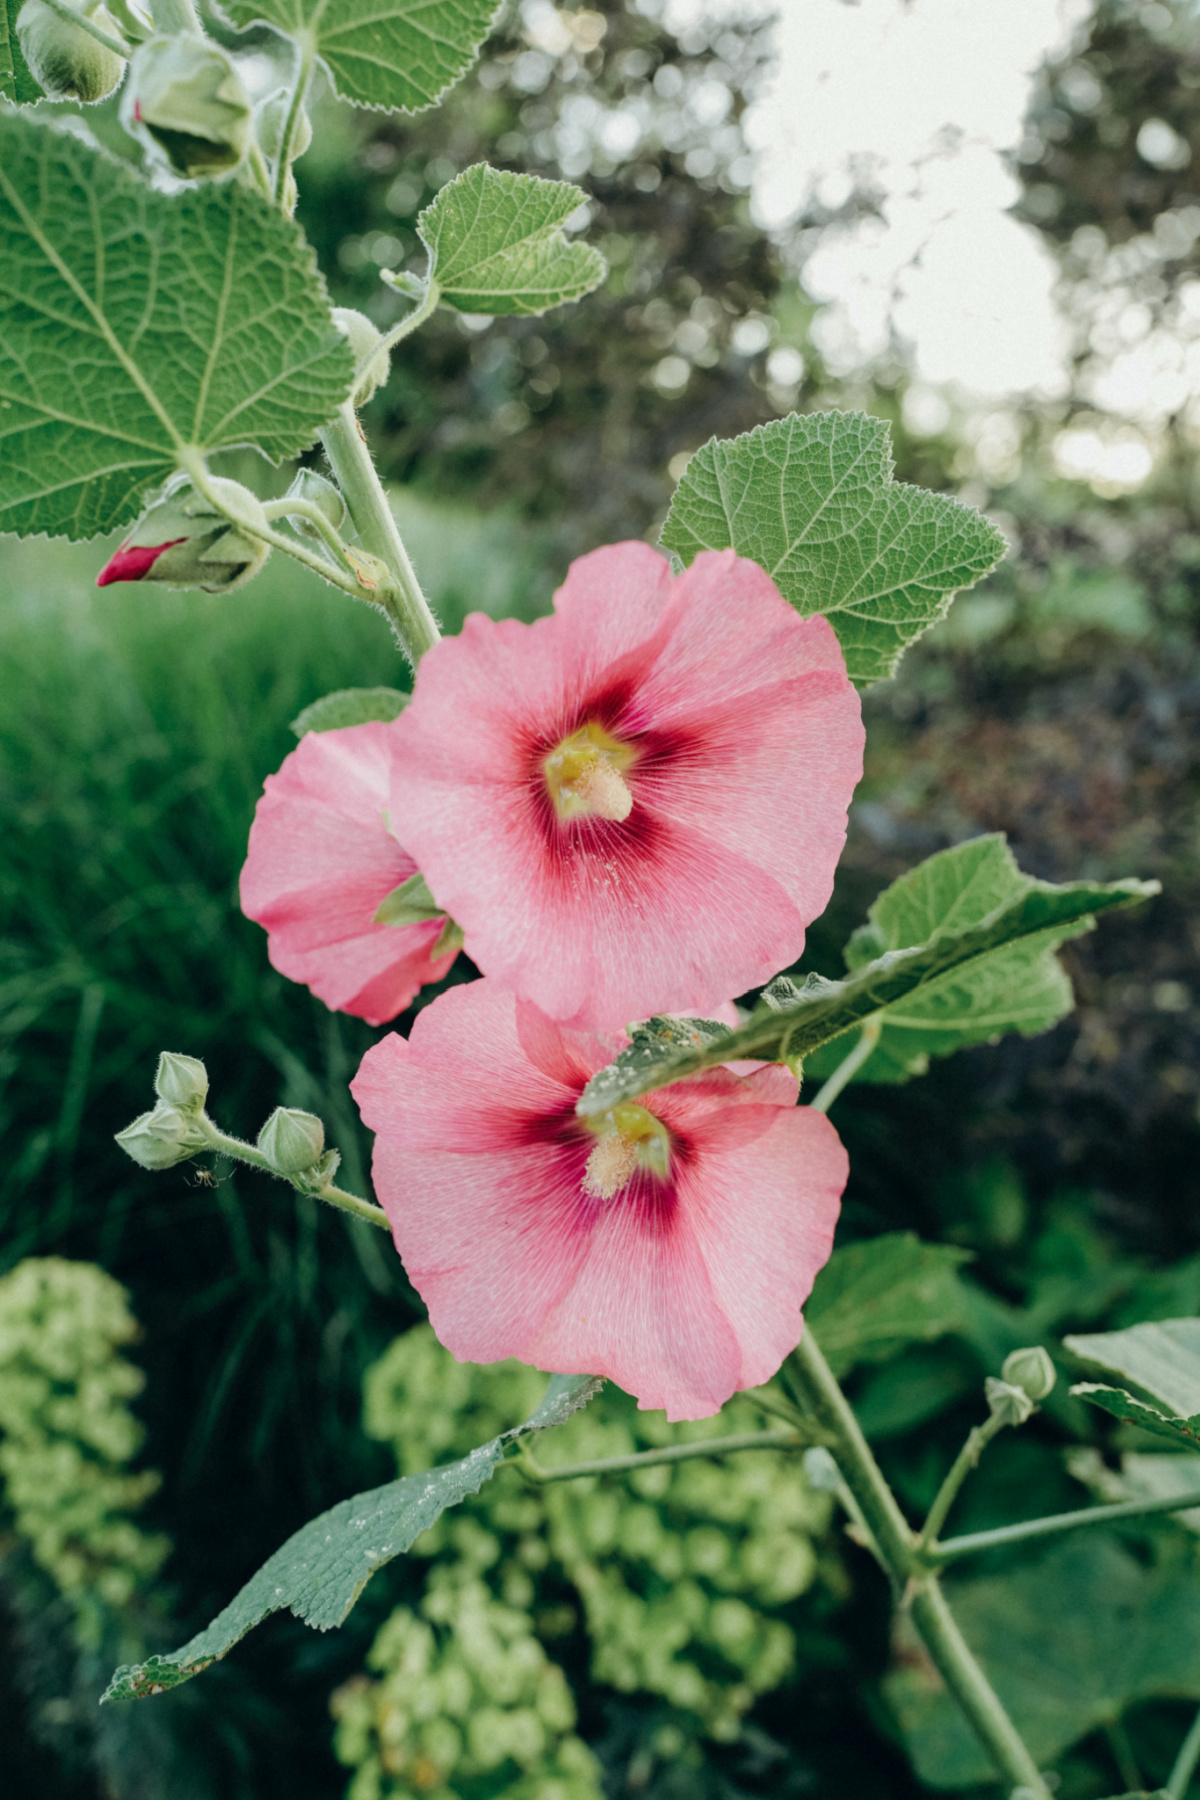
(918, 98)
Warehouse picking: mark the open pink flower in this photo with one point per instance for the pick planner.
(635, 805)
(669, 1246)
(321, 859)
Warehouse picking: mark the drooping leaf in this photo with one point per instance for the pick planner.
(811, 498)
(496, 243)
(793, 1021)
(1162, 1356)
(872, 1299)
(1020, 988)
(16, 81)
(1069, 1642)
(1131, 1411)
(399, 55)
(350, 706)
(134, 324)
(321, 1571)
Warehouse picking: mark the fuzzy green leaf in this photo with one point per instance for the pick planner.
(811, 498)
(1069, 1642)
(496, 243)
(1123, 1406)
(398, 55)
(134, 324)
(872, 1299)
(321, 1571)
(1161, 1356)
(1020, 988)
(16, 82)
(792, 1022)
(350, 706)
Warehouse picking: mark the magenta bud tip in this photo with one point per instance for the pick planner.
(131, 562)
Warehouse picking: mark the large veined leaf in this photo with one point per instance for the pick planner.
(1162, 1357)
(16, 82)
(872, 1299)
(496, 243)
(792, 1021)
(400, 55)
(1022, 987)
(321, 1571)
(134, 325)
(1069, 1642)
(811, 498)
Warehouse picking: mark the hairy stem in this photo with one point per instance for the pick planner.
(259, 170)
(967, 1459)
(1179, 1780)
(65, 11)
(283, 164)
(898, 1549)
(848, 1068)
(1003, 1535)
(307, 509)
(192, 461)
(400, 594)
(673, 1453)
(240, 1151)
(409, 323)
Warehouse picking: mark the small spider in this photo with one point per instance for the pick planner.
(205, 1178)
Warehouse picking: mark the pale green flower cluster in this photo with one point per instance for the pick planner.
(677, 1568)
(66, 1431)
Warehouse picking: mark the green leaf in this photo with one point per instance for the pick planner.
(1123, 1406)
(350, 706)
(872, 1299)
(409, 904)
(134, 324)
(792, 1021)
(1069, 1642)
(811, 498)
(16, 82)
(1021, 988)
(1161, 1356)
(321, 1571)
(496, 243)
(400, 55)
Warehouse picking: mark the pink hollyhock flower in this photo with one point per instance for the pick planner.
(636, 805)
(668, 1246)
(321, 859)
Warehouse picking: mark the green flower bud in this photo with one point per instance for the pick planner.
(364, 337)
(181, 1081)
(185, 100)
(319, 492)
(1031, 1370)
(65, 59)
(292, 1141)
(270, 120)
(182, 540)
(162, 1138)
(1010, 1405)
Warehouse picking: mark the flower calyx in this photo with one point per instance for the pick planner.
(1032, 1370)
(184, 541)
(186, 102)
(585, 775)
(181, 1081)
(164, 1137)
(628, 1138)
(66, 61)
(366, 340)
(291, 1140)
(412, 904)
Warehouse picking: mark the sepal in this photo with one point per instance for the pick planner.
(183, 541)
(185, 100)
(162, 1138)
(1032, 1370)
(65, 59)
(291, 1140)
(365, 339)
(181, 1081)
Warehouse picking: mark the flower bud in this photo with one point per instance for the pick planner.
(364, 337)
(269, 122)
(1031, 1370)
(185, 100)
(317, 491)
(292, 1140)
(181, 1081)
(66, 60)
(162, 1138)
(182, 541)
(1008, 1404)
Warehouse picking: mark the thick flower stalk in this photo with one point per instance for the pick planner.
(669, 1245)
(637, 804)
(321, 861)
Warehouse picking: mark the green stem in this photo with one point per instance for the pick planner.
(1185, 1763)
(173, 17)
(98, 32)
(408, 324)
(308, 57)
(1122, 1752)
(400, 594)
(673, 1453)
(848, 1068)
(237, 1148)
(1004, 1535)
(897, 1546)
(307, 509)
(259, 170)
(966, 1460)
(192, 461)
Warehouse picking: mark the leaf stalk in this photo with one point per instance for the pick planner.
(849, 1066)
(672, 1453)
(65, 11)
(283, 164)
(975, 1542)
(240, 1151)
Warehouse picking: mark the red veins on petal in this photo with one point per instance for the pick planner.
(132, 561)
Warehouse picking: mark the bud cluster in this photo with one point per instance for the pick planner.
(184, 541)
(173, 1131)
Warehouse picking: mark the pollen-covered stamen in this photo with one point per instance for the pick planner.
(628, 1138)
(585, 775)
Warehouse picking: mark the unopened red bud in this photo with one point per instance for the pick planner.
(132, 561)
(184, 541)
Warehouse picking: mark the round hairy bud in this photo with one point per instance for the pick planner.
(185, 100)
(364, 338)
(1031, 1370)
(316, 491)
(162, 1138)
(1008, 1404)
(292, 1141)
(66, 60)
(181, 1081)
(183, 541)
(270, 120)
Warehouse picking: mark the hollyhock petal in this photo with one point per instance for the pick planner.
(683, 1285)
(321, 858)
(705, 849)
(132, 562)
